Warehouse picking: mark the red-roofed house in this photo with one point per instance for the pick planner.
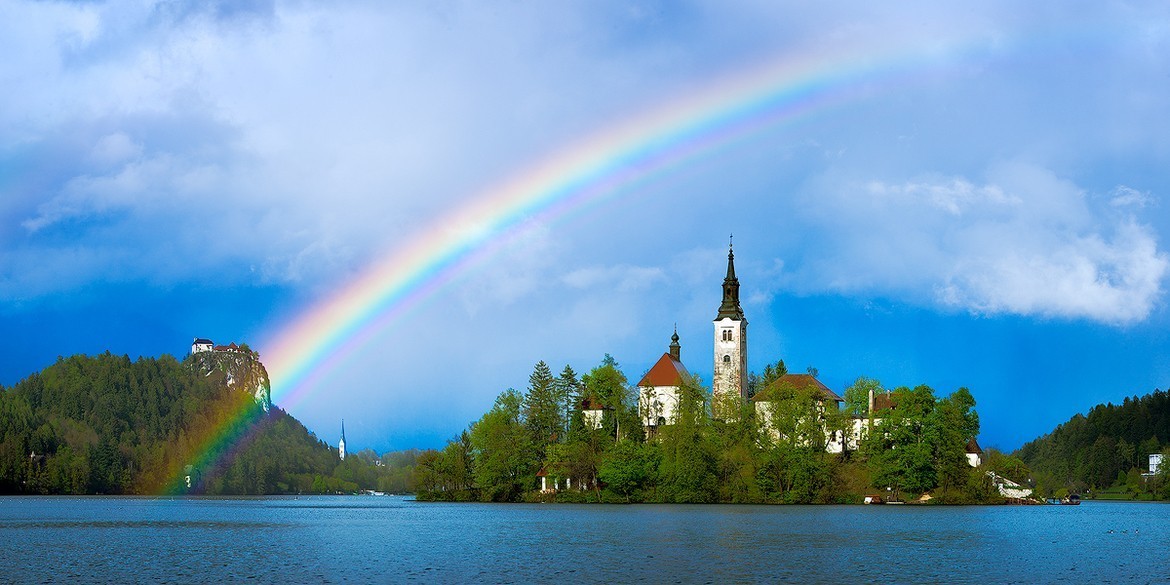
(658, 391)
(787, 384)
(593, 412)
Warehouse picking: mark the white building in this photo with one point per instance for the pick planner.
(341, 443)
(729, 383)
(201, 345)
(827, 401)
(658, 391)
(593, 412)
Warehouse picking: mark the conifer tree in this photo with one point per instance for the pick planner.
(568, 395)
(542, 409)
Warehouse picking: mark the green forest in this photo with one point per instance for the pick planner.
(109, 425)
(1104, 454)
(916, 448)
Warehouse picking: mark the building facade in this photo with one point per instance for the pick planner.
(658, 390)
(729, 382)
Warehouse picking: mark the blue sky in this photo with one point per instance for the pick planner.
(996, 220)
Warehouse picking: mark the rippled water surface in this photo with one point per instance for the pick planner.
(363, 539)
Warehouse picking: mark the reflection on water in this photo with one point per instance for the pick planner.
(388, 539)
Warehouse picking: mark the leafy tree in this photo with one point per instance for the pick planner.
(951, 425)
(504, 462)
(796, 466)
(628, 467)
(687, 472)
(608, 384)
(857, 395)
(900, 450)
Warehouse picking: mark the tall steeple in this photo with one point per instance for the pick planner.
(729, 379)
(675, 348)
(730, 308)
(341, 443)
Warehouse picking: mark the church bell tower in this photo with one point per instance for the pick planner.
(729, 386)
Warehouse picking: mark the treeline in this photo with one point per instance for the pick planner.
(778, 456)
(109, 425)
(1106, 450)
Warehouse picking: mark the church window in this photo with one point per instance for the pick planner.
(727, 335)
(727, 359)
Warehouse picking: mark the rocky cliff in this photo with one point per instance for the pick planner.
(241, 368)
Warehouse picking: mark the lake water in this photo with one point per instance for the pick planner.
(361, 539)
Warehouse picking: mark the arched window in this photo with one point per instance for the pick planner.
(727, 359)
(661, 421)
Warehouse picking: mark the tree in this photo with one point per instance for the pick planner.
(1008, 466)
(900, 451)
(687, 472)
(628, 467)
(568, 393)
(857, 395)
(502, 452)
(427, 475)
(951, 425)
(760, 382)
(607, 383)
(542, 409)
(797, 469)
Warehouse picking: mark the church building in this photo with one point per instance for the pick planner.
(729, 382)
(658, 391)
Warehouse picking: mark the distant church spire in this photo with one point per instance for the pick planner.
(675, 348)
(341, 443)
(730, 308)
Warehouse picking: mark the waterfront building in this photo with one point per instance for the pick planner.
(658, 390)
(593, 413)
(826, 401)
(729, 380)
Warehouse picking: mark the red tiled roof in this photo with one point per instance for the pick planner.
(667, 372)
(973, 447)
(593, 404)
(799, 382)
(884, 401)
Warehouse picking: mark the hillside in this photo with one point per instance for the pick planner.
(1109, 447)
(108, 425)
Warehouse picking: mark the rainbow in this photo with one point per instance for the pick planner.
(586, 173)
(594, 170)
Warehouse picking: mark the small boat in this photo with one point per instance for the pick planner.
(1070, 500)
(873, 500)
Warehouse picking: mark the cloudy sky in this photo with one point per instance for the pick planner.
(972, 195)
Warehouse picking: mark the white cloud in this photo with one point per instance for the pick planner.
(1123, 196)
(622, 277)
(1026, 242)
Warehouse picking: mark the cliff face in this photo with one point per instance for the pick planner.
(241, 369)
